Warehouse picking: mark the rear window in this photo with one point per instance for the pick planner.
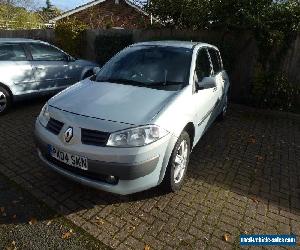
(12, 52)
(42, 52)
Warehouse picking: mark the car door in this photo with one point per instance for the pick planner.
(205, 100)
(15, 69)
(217, 72)
(52, 69)
(221, 78)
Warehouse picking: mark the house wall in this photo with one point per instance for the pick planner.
(109, 14)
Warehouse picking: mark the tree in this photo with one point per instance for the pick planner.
(27, 4)
(207, 14)
(50, 10)
(49, 6)
(14, 17)
(19, 14)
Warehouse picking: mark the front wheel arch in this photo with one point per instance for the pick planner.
(190, 129)
(168, 182)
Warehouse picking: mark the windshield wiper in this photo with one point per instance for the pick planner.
(166, 83)
(140, 84)
(123, 81)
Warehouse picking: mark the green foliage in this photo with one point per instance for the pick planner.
(245, 14)
(69, 35)
(274, 24)
(273, 90)
(109, 45)
(12, 17)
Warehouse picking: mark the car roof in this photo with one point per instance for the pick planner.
(176, 44)
(19, 40)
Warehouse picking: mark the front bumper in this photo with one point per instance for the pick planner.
(136, 169)
(123, 171)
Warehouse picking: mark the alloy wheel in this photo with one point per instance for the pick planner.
(225, 106)
(3, 101)
(180, 162)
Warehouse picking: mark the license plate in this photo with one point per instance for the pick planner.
(69, 159)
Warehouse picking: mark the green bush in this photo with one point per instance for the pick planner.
(108, 45)
(69, 35)
(274, 91)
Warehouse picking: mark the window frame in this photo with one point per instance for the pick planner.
(210, 62)
(220, 62)
(46, 45)
(27, 57)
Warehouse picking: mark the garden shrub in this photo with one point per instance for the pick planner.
(273, 90)
(69, 35)
(107, 45)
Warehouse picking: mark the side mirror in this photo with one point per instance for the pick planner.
(206, 83)
(96, 70)
(70, 58)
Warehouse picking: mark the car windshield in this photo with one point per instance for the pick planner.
(149, 66)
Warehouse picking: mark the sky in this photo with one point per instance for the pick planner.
(69, 4)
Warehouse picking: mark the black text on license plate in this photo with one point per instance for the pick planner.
(69, 159)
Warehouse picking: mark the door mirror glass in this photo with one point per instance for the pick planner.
(96, 70)
(206, 83)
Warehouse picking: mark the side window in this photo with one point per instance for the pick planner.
(216, 60)
(42, 52)
(203, 67)
(12, 52)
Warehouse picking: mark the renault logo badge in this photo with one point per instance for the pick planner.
(68, 135)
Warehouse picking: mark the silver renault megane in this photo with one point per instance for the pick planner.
(133, 125)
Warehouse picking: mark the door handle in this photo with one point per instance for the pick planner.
(39, 68)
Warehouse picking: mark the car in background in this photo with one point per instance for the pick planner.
(133, 125)
(29, 68)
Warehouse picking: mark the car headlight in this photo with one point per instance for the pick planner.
(44, 116)
(136, 137)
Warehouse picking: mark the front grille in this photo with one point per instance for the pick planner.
(54, 126)
(94, 138)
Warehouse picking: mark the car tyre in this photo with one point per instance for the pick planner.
(223, 113)
(5, 101)
(178, 164)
